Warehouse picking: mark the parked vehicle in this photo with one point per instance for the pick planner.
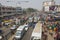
(20, 32)
(37, 32)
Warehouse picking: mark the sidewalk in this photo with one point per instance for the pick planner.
(11, 38)
(50, 37)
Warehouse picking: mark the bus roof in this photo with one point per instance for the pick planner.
(38, 28)
(37, 32)
(20, 27)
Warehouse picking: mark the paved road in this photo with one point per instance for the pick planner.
(28, 34)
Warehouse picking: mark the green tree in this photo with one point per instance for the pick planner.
(31, 10)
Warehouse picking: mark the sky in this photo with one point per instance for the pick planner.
(37, 4)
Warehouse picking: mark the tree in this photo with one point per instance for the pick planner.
(24, 11)
(31, 10)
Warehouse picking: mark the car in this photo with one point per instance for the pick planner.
(26, 27)
(20, 32)
(17, 35)
(0, 37)
(13, 27)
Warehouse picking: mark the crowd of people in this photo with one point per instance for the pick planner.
(53, 28)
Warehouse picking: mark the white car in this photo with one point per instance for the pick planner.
(0, 37)
(26, 27)
(13, 27)
(17, 35)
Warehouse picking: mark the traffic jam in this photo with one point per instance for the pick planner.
(10, 25)
(42, 26)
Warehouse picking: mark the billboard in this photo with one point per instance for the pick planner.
(46, 8)
(52, 8)
(48, 3)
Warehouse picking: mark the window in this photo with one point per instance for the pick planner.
(18, 33)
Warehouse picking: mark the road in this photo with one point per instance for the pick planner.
(27, 36)
(28, 33)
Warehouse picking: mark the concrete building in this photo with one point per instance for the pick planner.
(57, 8)
(19, 10)
(51, 7)
(6, 10)
(47, 4)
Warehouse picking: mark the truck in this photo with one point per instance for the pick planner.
(37, 32)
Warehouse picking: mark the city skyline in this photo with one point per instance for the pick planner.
(37, 4)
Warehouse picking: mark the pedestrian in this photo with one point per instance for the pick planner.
(45, 35)
(58, 36)
(58, 27)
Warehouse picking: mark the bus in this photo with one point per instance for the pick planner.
(20, 32)
(37, 32)
(35, 19)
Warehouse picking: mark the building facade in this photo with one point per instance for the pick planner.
(7, 10)
(57, 8)
(50, 6)
(19, 10)
(47, 5)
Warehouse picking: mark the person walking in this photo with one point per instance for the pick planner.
(58, 36)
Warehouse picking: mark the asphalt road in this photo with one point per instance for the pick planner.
(27, 35)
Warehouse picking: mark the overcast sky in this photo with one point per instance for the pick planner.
(37, 4)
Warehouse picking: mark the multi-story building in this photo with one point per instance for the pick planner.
(50, 6)
(19, 10)
(57, 8)
(47, 5)
(6, 10)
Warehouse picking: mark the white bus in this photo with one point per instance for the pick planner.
(35, 19)
(20, 31)
(30, 19)
(37, 32)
